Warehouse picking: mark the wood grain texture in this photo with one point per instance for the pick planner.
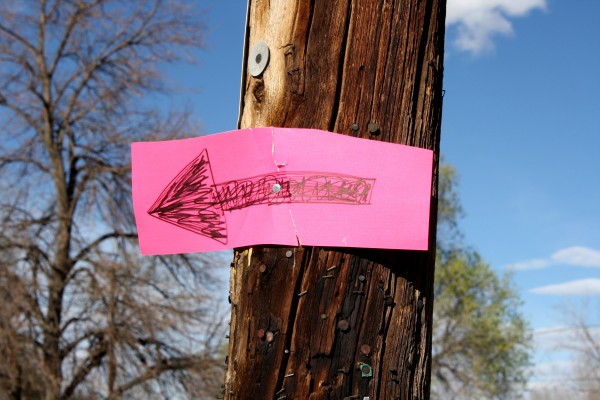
(334, 64)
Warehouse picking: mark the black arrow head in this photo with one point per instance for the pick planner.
(190, 201)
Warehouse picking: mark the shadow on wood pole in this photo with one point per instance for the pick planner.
(338, 323)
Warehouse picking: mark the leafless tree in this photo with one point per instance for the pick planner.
(83, 316)
(577, 343)
(583, 341)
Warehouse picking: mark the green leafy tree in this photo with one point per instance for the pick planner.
(480, 338)
(83, 315)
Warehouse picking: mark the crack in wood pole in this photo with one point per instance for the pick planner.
(340, 70)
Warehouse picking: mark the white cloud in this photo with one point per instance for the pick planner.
(477, 21)
(536, 263)
(590, 286)
(578, 256)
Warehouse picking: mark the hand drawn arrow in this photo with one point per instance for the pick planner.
(193, 201)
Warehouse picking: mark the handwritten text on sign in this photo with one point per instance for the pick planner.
(280, 186)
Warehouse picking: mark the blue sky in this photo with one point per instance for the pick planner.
(520, 124)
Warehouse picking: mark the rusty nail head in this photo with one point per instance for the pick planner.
(323, 316)
(343, 325)
(373, 128)
(262, 268)
(288, 253)
(361, 278)
(261, 333)
(354, 127)
(365, 349)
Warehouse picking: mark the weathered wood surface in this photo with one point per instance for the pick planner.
(303, 325)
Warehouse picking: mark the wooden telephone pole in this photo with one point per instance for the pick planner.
(339, 323)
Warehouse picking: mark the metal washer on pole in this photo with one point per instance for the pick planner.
(258, 58)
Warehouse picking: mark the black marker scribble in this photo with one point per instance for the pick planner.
(194, 202)
(189, 201)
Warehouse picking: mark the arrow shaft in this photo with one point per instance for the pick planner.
(293, 187)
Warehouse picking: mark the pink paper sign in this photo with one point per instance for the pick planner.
(280, 186)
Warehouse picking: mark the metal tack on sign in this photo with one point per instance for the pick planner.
(258, 58)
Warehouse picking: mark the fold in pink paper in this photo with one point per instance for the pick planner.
(280, 186)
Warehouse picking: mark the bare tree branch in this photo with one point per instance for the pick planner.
(171, 364)
(97, 242)
(14, 35)
(93, 360)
